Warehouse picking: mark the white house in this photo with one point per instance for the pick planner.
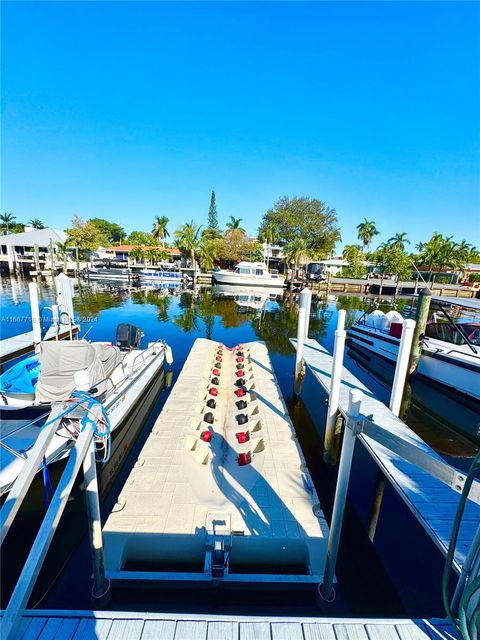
(20, 247)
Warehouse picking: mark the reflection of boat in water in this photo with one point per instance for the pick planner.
(246, 298)
(450, 350)
(248, 274)
(163, 274)
(434, 412)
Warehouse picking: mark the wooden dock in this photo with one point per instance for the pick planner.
(118, 625)
(219, 481)
(432, 502)
(20, 345)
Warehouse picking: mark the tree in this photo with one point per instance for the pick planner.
(209, 252)
(109, 231)
(436, 254)
(256, 252)
(366, 232)
(296, 252)
(306, 218)
(160, 229)
(84, 236)
(62, 248)
(7, 219)
(354, 255)
(235, 246)
(269, 234)
(36, 223)
(392, 260)
(399, 241)
(155, 255)
(187, 238)
(212, 213)
(138, 254)
(141, 237)
(234, 225)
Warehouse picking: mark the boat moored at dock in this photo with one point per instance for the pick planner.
(251, 274)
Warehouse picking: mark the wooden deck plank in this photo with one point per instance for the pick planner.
(156, 629)
(432, 502)
(316, 631)
(352, 631)
(286, 631)
(30, 628)
(191, 630)
(412, 631)
(222, 630)
(59, 628)
(125, 630)
(255, 631)
(93, 629)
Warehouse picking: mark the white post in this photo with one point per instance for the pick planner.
(300, 342)
(64, 286)
(101, 586)
(402, 366)
(11, 259)
(307, 297)
(335, 382)
(325, 590)
(35, 312)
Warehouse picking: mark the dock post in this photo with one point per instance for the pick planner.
(307, 298)
(101, 586)
(36, 257)
(402, 366)
(64, 287)
(421, 317)
(325, 590)
(335, 382)
(35, 312)
(299, 367)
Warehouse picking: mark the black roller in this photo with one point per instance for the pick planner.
(208, 417)
(212, 404)
(240, 382)
(215, 381)
(242, 418)
(241, 404)
(240, 365)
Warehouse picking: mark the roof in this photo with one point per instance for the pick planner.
(126, 248)
(41, 237)
(466, 303)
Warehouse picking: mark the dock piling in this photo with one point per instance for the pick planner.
(335, 382)
(35, 311)
(300, 343)
(421, 317)
(401, 367)
(306, 296)
(325, 590)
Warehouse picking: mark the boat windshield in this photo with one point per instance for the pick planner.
(244, 271)
(446, 332)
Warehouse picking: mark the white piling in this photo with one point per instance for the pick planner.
(306, 295)
(326, 591)
(35, 313)
(64, 286)
(402, 366)
(300, 342)
(334, 394)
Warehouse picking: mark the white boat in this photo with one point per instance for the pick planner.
(450, 350)
(161, 274)
(116, 378)
(249, 274)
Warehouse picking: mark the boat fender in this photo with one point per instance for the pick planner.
(244, 459)
(240, 382)
(211, 403)
(243, 436)
(216, 372)
(239, 366)
(242, 418)
(239, 359)
(215, 381)
(218, 358)
(239, 373)
(239, 353)
(240, 392)
(219, 352)
(218, 365)
(241, 404)
(208, 417)
(206, 436)
(168, 354)
(213, 391)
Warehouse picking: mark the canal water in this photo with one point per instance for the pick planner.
(232, 316)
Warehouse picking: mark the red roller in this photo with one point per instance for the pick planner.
(243, 459)
(218, 358)
(213, 391)
(239, 373)
(243, 436)
(206, 436)
(239, 359)
(216, 372)
(240, 393)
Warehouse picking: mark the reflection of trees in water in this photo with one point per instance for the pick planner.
(187, 321)
(353, 304)
(161, 301)
(91, 303)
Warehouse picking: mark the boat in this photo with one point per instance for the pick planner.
(109, 270)
(249, 274)
(114, 375)
(450, 350)
(165, 273)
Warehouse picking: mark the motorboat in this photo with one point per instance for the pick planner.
(70, 376)
(249, 274)
(109, 270)
(450, 349)
(164, 273)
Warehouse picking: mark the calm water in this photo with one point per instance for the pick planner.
(233, 316)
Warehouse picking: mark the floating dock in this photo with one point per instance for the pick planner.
(220, 491)
(433, 502)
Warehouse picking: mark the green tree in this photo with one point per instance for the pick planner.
(256, 252)
(160, 229)
(141, 237)
(212, 213)
(7, 219)
(84, 236)
(187, 237)
(109, 231)
(155, 255)
(399, 241)
(62, 249)
(36, 223)
(269, 235)
(366, 232)
(235, 246)
(234, 225)
(209, 252)
(392, 260)
(354, 255)
(138, 254)
(297, 252)
(305, 218)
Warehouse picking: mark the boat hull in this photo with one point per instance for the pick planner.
(246, 281)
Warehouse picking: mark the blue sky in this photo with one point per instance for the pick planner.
(130, 110)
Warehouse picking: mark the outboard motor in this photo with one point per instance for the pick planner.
(128, 336)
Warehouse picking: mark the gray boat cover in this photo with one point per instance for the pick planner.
(59, 361)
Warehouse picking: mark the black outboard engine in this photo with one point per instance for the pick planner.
(128, 336)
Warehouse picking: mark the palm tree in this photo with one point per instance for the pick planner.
(208, 253)
(234, 224)
(6, 219)
(269, 234)
(437, 253)
(296, 252)
(187, 238)
(36, 223)
(399, 241)
(366, 232)
(138, 253)
(62, 251)
(160, 228)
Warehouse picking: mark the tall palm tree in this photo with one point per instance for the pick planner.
(296, 252)
(187, 238)
(36, 223)
(6, 219)
(398, 241)
(234, 224)
(366, 232)
(269, 234)
(160, 228)
(208, 253)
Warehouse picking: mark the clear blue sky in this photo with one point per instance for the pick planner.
(128, 110)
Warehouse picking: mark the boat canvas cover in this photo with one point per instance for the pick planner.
(61, 360)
